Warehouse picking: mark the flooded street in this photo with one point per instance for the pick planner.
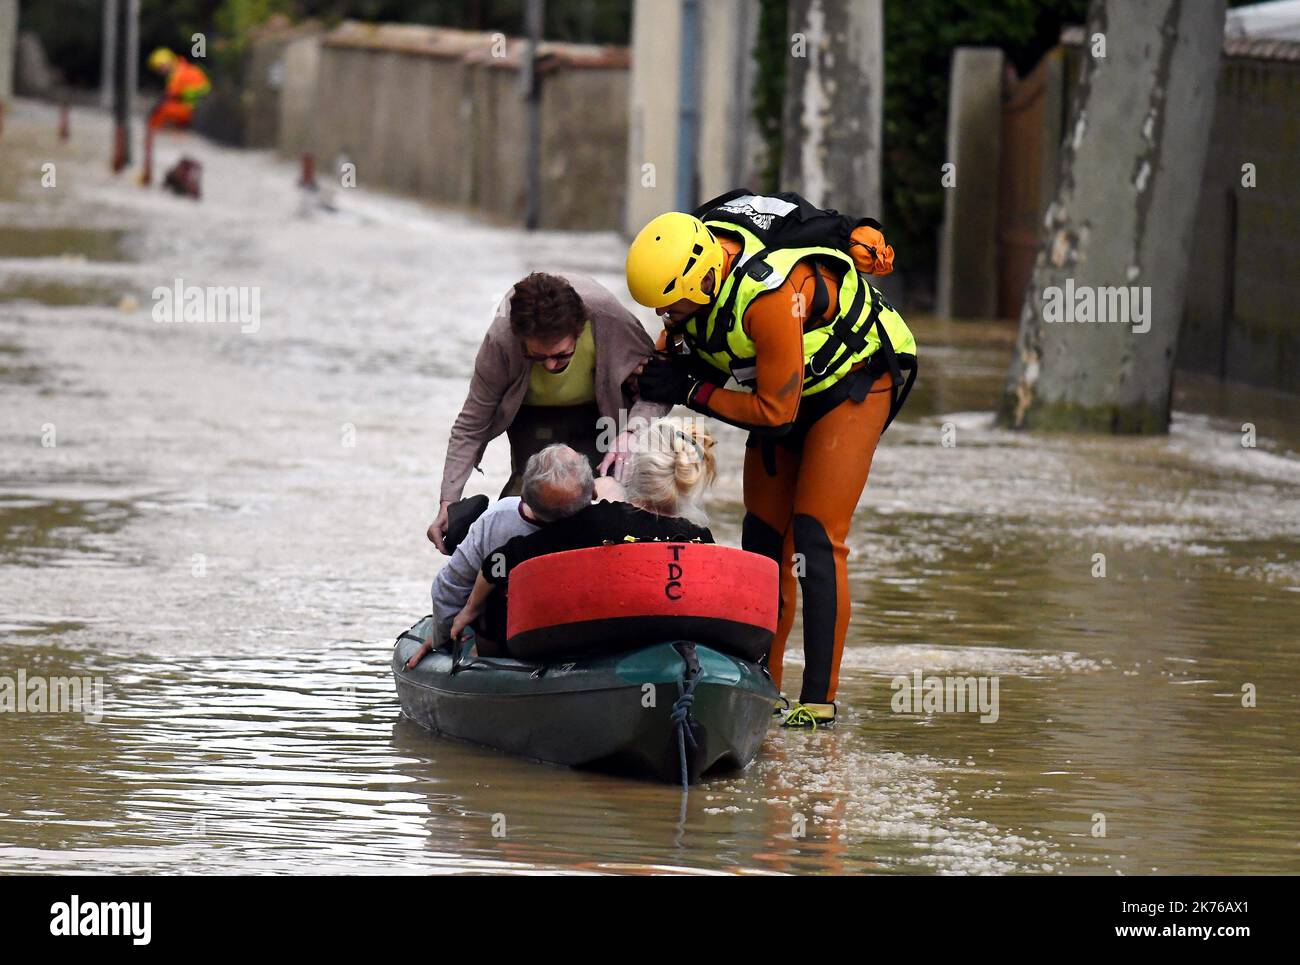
(226, 524)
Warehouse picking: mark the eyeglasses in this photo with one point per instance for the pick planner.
(556, 357)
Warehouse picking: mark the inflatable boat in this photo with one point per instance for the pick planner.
(640, 659)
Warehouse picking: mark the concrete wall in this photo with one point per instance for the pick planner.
(652, 112)
(584, 151)
(296, 126)
(266, 72)
(968, 275)
(1242, 322)
(393, 111)
(729, 140)
(729, 144)
(439, 113)
(494, 173)
(8, 46)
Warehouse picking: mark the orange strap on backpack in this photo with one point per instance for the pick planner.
(869, 251)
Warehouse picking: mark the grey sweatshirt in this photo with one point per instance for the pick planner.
(451, 587)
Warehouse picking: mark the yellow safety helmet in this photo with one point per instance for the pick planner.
(161, 60)
(669, 260)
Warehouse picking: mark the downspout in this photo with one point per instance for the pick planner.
(688, 109)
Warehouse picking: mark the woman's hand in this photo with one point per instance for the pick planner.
(419, 655)
(616, 458)
(437, 531)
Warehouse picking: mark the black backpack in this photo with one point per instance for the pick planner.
(784, 219)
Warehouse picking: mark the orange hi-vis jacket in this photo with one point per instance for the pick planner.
(187, 82)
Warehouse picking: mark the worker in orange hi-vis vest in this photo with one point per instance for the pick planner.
(186, 83)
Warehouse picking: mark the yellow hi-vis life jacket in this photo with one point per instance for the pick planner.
(865, 325)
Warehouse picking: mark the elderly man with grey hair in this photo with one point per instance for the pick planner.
(557, 482)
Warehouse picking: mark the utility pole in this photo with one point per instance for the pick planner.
(126, 55)
(108, 56)
(535, 15)
(132, 52)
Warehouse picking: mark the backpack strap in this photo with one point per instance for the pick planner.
(843, 341)
(715, 339)
(821, 301)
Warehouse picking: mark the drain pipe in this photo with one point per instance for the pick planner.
(535, 15)
(688, 107)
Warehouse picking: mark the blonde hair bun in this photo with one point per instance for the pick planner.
(671, 468)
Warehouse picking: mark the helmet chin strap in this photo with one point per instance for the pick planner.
(674, 328)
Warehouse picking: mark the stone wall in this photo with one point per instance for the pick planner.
(1241, 321)
(439, 113)
(1243, 304)
(8, 46)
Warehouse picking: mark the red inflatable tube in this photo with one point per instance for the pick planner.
(584, 603)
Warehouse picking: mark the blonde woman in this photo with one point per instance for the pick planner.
(670, 470)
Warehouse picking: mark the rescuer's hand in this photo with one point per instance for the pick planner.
(666, 382)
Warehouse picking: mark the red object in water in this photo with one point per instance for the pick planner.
(308, 179)
(185, 178)
(119, 148)
(613, 598)
(63, 122)
(146, 173)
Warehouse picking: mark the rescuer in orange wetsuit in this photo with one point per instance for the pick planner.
(815, 390)
(186, 84)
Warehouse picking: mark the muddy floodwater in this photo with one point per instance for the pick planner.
(224, 525)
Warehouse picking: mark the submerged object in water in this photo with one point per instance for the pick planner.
(614, 712)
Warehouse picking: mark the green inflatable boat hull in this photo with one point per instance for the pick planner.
(612, 713)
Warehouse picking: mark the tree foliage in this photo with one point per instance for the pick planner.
(920, 36)
(919, 39)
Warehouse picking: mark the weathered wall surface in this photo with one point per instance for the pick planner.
(728, 143)
(439, 113)
(1243, 319)
(8, 46)
(651, 178)
(297, 95)
(266, 73)
(583, 153)
(834, 104)
(968, 274)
